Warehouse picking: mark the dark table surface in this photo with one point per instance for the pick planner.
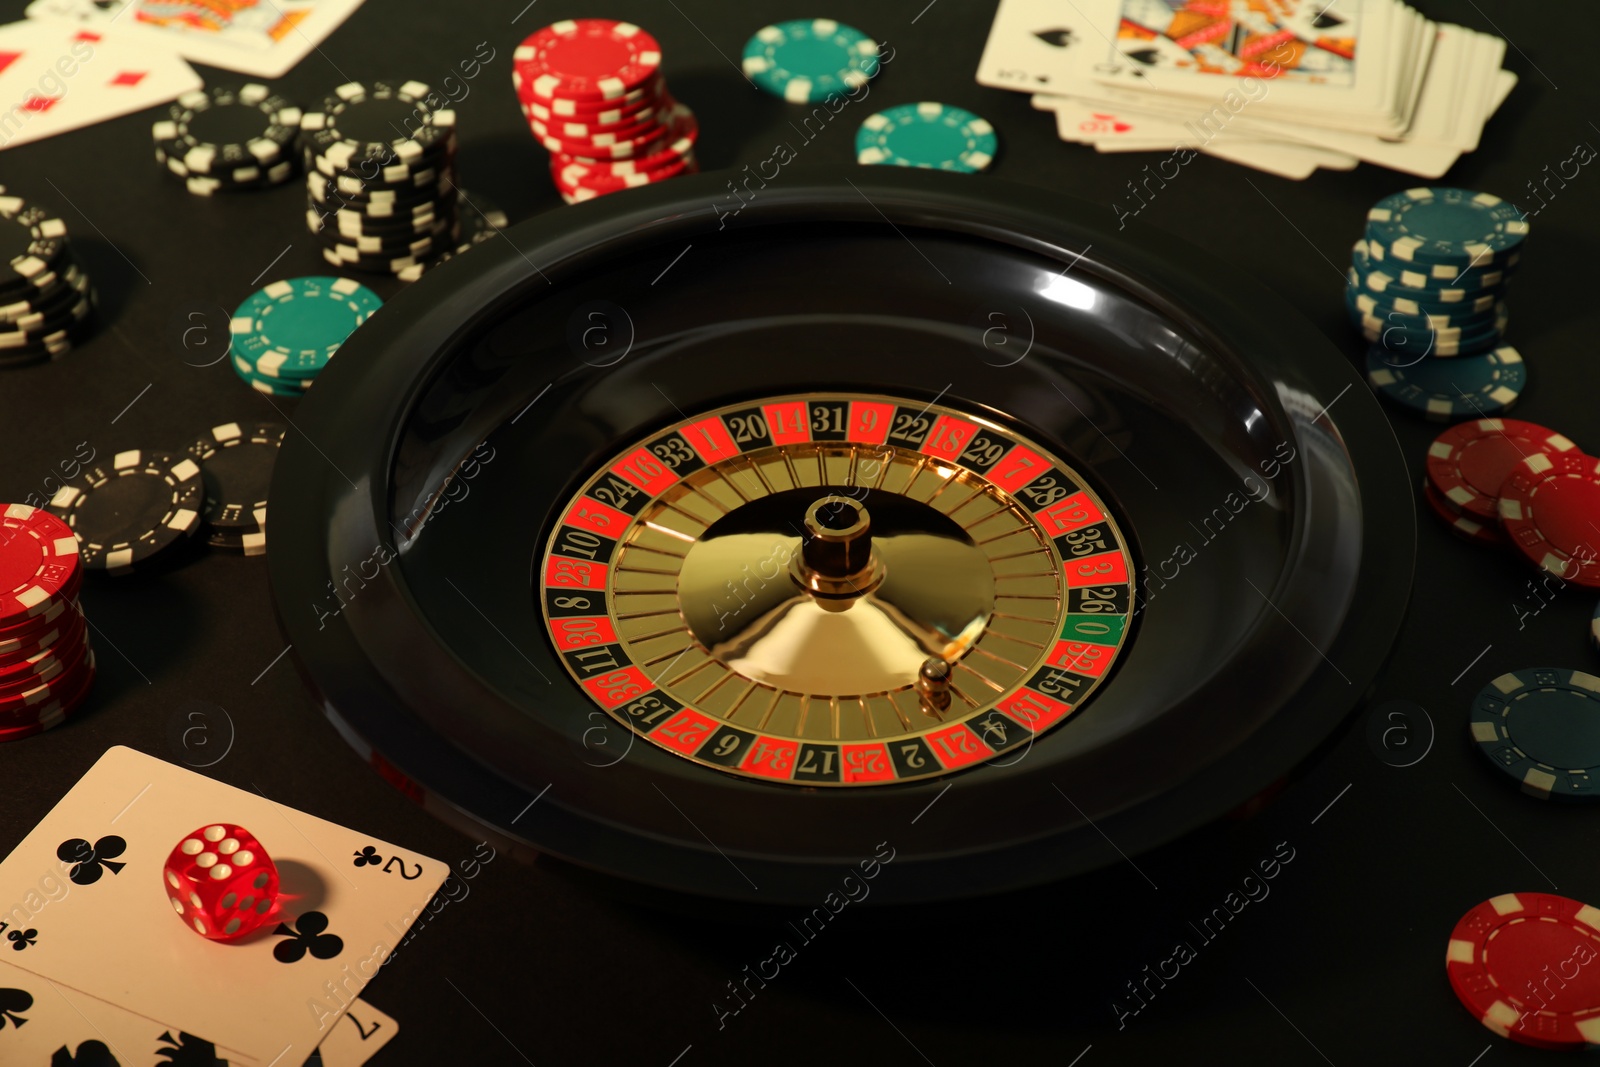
(1340, 962)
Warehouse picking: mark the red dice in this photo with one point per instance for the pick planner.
(222, 882)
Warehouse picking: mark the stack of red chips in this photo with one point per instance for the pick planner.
(46, 664)
(594, 96)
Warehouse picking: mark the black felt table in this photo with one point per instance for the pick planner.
(1337, 959)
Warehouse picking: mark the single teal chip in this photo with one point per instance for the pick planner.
(808, 60)
(290, 329)
(1448, 390)
(1451, 227)
(930, 135)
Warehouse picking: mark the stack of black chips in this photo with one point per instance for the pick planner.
(380, 176)
(46, 301)
(228, 140)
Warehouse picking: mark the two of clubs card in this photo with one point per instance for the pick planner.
(96, 967)
(1285, 86)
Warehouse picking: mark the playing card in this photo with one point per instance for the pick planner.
(1312, 41)
(55, 78)
(1366, 79)
(91, 910)
(1353, 61)
(357, 1037)
(42, 1022)
(264, 38)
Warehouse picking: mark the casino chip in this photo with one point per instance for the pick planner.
(1471, 528)
(928, 135)
(595, 98)
(228, 139)
(481, 221)
(380, 176)
(1502, 961)
(1449, 227)
(1541, 726)
(46, 301)
(46, 664)
(809, 60)
(1445, 389)
(1550, 508)
(1445, 284)
(284, 334)
(1468, 463)
(587, 60)
(236, 465)
(1430, 273)
(39, 568)
(128, 514)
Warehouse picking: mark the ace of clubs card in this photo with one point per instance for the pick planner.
(99, 920)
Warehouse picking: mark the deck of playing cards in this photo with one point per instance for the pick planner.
(1285, 86)
(99, 959)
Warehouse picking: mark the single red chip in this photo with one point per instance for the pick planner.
(576, 188)
(586, 59)
(28, 631)
(1487, 534)
(38, 561)
(1550, 508)
(1469, 462)
(681, 132)
(1503, 961)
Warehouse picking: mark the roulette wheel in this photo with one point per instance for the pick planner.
(720, 547)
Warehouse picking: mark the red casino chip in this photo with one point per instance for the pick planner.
(1468, 527)
(681, 135)
(586, 59)
(38, 563)
(60, 704)
(576, 138)
(29, 631)
(1501, 960)
(1550, 508)
(61, 635)
(577, 188)
(1469, 462)
(610, 113)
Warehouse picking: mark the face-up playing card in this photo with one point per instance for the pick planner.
(1312, 41)
(43, 1022)
(263, 39)
(88, 909)
(357, 1037)
(55, 78)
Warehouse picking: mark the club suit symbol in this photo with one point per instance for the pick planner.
(89, 1054)
(186, 1050)
(310, 937)
(21, 939)
(368, 857)
(12, 1003)
(91, 861)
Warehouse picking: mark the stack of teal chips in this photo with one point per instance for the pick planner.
(1426, 289)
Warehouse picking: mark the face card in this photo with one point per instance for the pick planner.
(357, 1037)
(1311, 41)
(87, 906)
(264, 39)
(42, 1022)
(55, 78)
